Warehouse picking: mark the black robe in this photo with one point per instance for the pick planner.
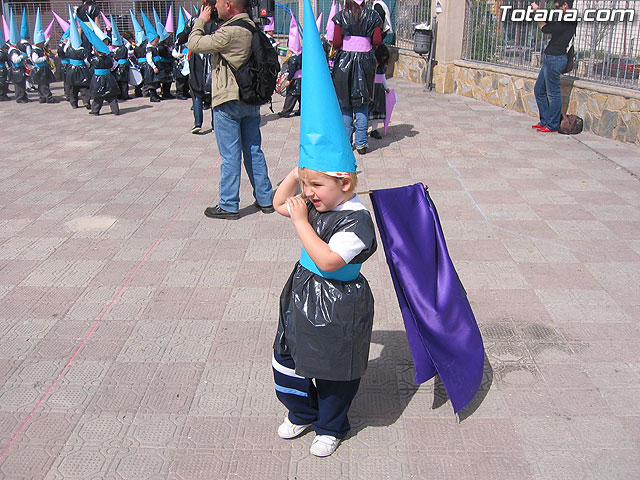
(17, 74)
(120, 54)
(165, 65)
(354, 72)
(325, 325)
(148, 75)
(42, 74)
(103, 85)
(4, 71)
(78, 75)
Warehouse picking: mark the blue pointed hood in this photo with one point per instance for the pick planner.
(148, 28)
(116, 38)
(66, 33)
(324, 145)
(139, 32)
(98, 31)
(181, 22)
(24, 26)
(14, 33)
(74, 35)
(98, 44)
(2, 39)
(162, 32)
(38, 31)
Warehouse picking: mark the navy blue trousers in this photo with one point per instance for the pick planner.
(324, 404)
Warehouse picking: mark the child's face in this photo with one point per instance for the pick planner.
(325, 192)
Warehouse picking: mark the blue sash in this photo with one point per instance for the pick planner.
(77, 63)
(43, 64)
(65, 61)
(345, 274)
(142, 60)
(101, 71)
(157, 58)
(123, 61)
(17, 65)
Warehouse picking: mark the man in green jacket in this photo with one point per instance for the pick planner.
(237, 124)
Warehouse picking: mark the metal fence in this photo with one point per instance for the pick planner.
(606, 51)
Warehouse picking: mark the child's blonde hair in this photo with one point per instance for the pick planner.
(353, 176)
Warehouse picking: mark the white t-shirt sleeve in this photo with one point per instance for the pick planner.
(346, 244)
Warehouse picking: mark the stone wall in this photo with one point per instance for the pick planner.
(610, 112)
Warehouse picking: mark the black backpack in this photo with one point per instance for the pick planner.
(257, 77)
(571, 125)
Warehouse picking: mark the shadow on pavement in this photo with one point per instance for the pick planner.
(440, 394)
(394, 134)
(134, 109)
(388, 386)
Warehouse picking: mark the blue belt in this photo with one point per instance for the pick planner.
(17, 65)
(167, 60)
(101, 71)
(157, 58)
(142, 60)
(345, 274)
(123, 61)
(40, 65)
(65, 61)
(77, 63)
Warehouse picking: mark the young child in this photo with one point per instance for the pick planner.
(378, 106)
(104, 86)
(4, 72)
(326, 338)
(326, 307)
(42, 74)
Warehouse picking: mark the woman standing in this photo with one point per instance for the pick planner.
(357, 31)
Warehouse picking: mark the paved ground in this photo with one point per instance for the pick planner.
(135, 334)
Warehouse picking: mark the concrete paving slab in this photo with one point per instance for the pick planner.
(136, 334)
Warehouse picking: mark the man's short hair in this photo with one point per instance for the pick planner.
(239, 4)
(568, 2)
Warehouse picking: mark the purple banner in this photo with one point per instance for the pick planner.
(443, 335)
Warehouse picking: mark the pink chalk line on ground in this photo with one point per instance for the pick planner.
(113, 301)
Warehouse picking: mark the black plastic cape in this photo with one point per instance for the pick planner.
(325, 325)
(78, 75)
(354, 72)
(103, 85)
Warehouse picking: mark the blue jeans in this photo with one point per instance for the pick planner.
(238, 134)
(198, 102)
(361, 115)
(547, 90)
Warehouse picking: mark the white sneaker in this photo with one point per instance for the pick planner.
(324, 445)
(290, 430)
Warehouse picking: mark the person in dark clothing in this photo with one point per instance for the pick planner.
(357, 31)
(293, 86)
(140, 52)
(17, 73)
(547, 89)
(120, 54)
(78, 75)
(4, 71)
(199, 68)
(104, 86)
(41, 74)
(165, 69)
(64, 66)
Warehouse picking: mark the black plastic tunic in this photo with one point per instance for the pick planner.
(354, 72)
(4, 71)
(103, 85)
(326, 324)
(78, 75)
(148, 75)
(62, 55)
(295, 64)
(165, 65)
(42, 74)
(122, 72)
(17, 74)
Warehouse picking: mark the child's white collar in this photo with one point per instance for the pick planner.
(353, 204)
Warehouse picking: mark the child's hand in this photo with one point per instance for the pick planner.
(297, 208)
